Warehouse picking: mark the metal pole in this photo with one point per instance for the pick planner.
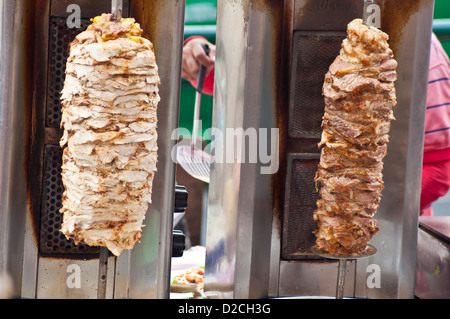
(102, 272)
(342, 268)
(117, 9)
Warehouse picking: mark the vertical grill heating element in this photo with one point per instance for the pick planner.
(60, 38)
(51, 239)
(313, 52)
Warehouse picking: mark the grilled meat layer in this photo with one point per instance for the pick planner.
(109, 104)
(359, 96)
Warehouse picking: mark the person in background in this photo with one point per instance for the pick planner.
(436, 156)
(193, 56)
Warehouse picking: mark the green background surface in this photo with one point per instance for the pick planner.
(441, 24)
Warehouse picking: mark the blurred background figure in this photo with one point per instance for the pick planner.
(193, 56)
(436, 157)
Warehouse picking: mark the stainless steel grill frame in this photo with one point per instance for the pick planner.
(34, 42)
(51, 240)
(256, 51)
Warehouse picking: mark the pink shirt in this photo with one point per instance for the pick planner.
(437, 121)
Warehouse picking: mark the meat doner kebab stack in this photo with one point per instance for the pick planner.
(109, 103)
(359, 97)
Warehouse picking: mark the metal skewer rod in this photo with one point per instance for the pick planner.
(342, 266)
(342, 269)
(102, 272)
(372, 13)
(117, 9)
(366, 14)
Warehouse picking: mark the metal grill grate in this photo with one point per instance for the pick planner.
(300, 203)
(60, 38)
(52, 240)
(313, 53)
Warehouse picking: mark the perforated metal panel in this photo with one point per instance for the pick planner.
(313, 53)
(300, 203)
(60, 37)
(51, 240)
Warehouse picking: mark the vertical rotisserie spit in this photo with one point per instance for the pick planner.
(109, 104)
(359, 96)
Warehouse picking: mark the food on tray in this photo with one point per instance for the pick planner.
(189, 281)
(194, 275)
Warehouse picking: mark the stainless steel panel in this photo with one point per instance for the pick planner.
(15, 100)
(240, 197)
(399, 208)
(163, 23)
(314, 278)
(240, 205)
(60, 278)
(223, 204)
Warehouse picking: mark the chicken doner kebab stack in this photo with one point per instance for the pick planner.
(109, 103)
(359, 97)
